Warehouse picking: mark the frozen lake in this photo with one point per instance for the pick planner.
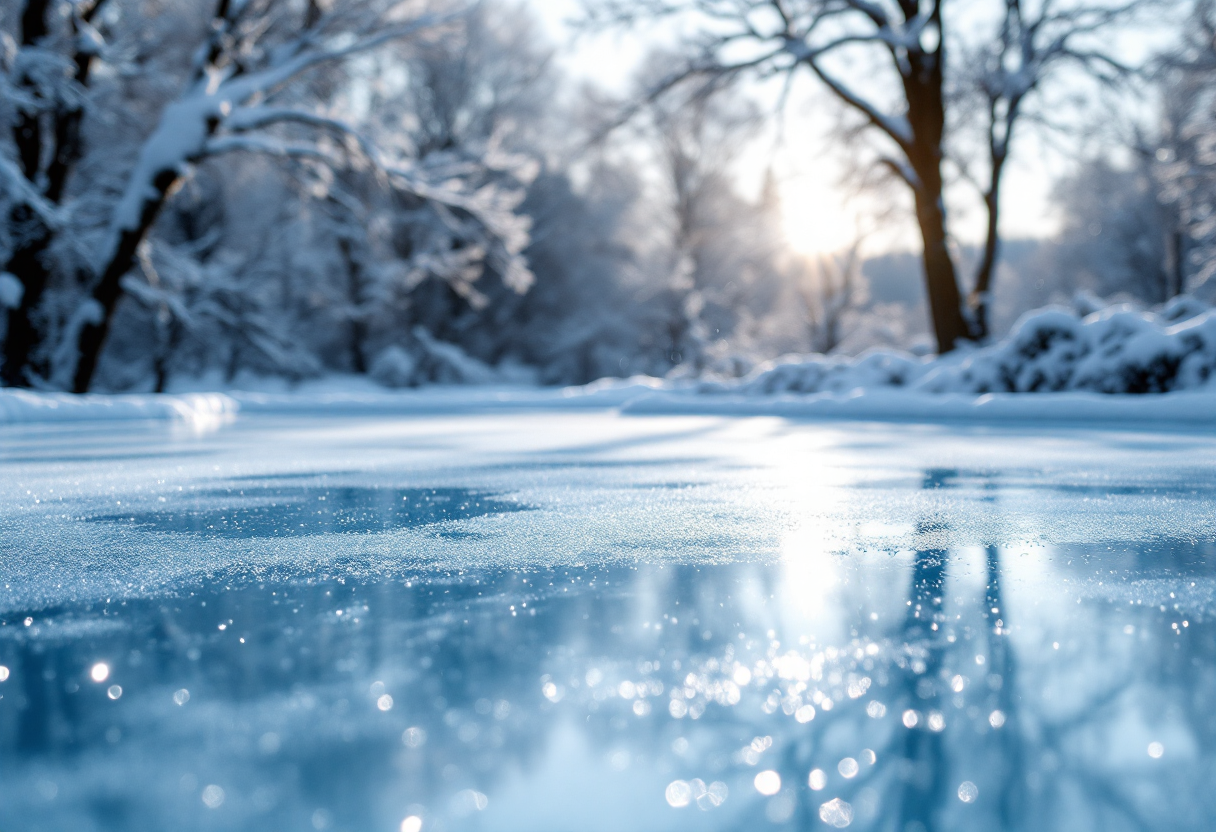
(585, 621)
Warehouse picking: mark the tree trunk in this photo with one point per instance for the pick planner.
(1176, 262)
(980, 295)
(26, 263)
(108, 290)
(21, 336)
(357, 331)
(926, 114)
(998, 154)
(941, 282)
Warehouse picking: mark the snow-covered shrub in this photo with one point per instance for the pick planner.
(1039, 356)
(394, 367)
(1115, 350)
(1182, 308)
(444, 363)
(794, 374)
(428, 361)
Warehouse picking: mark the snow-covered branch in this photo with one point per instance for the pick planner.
(896, 127)
(270, 146)
(19, 190)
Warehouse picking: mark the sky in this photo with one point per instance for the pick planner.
(819, 215)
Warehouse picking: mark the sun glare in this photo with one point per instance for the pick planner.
(813, 219)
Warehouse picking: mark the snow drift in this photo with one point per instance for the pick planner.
(198, 409)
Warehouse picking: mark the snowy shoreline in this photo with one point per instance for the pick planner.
(632, 397)
(1117, 365)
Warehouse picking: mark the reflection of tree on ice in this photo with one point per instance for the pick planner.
(922, 758)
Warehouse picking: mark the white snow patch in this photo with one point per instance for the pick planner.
(634, 397)
(1081, 368)
(201, 410)
(11, 291)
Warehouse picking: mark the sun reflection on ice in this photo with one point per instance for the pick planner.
(768, 782)
(810, 574)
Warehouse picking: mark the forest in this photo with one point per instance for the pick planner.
(216, 194)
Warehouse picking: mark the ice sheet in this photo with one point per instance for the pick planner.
(580, 609)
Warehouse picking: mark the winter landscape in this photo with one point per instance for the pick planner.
(607, 414)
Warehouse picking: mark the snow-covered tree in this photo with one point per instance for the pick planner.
(588, 315)
(84, 182)
(1186, 150)
(717, 255)
(1113, 233)
(1034, 42)
(831, 289)
(887, 62)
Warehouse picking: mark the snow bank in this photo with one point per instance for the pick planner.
(199, 409)
(896, 405)
(1116, 350)
(324, 398)
(607, 394)
(635, 396)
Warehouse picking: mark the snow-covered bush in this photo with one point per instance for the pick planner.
(1115, 350)
(394, 367)
(428, 361)
(827, 374)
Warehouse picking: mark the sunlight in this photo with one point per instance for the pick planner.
(810, 571)
(813, 219)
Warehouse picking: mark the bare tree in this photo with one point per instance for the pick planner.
(1033, 41)
(697, 135)
(906, 43)
(830, 289)
(1185, 152)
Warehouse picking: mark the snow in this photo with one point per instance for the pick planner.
(199, 409)
(1115, 350)
(911, 406)
(11, 291)
(178, 140)
(430, 361)
(1114, 365)
(354, 397)
(348, 396)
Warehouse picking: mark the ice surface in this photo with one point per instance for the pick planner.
(541, 619)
